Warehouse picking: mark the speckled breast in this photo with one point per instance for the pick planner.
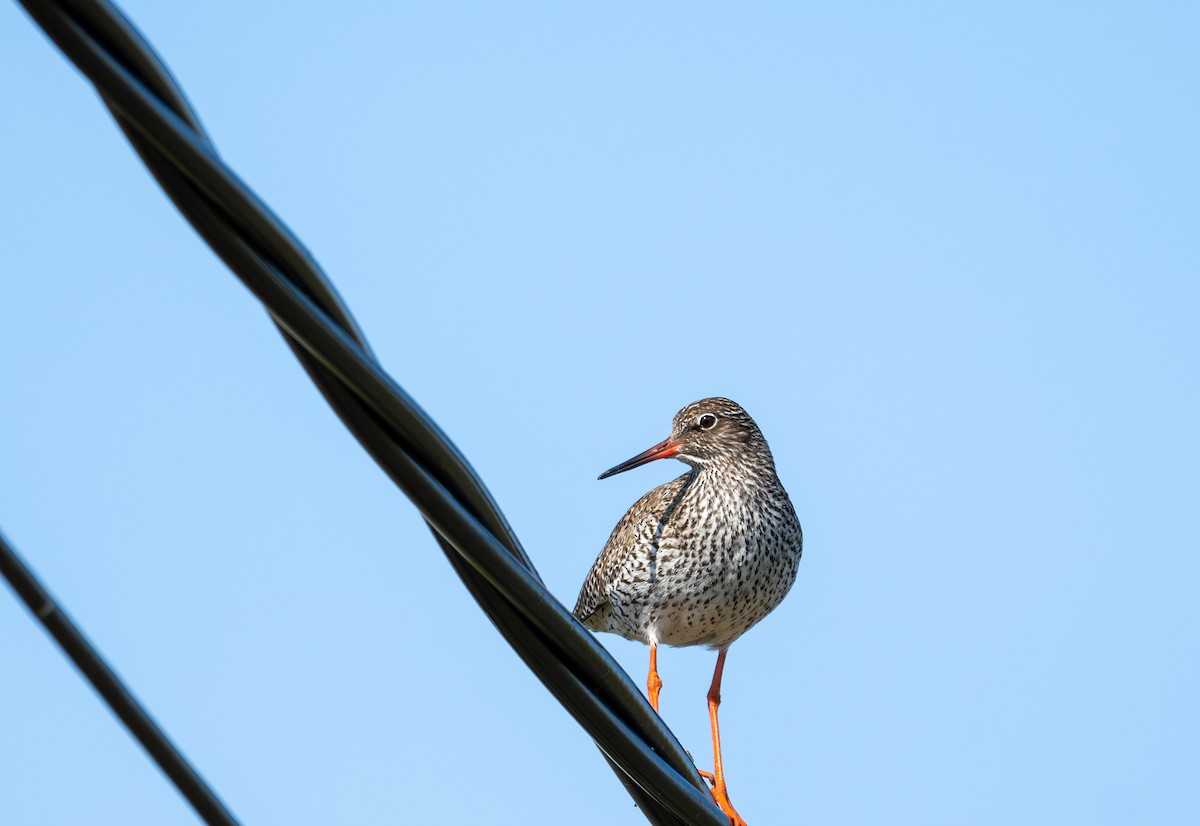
(724, 558)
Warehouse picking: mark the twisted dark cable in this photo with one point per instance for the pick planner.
(154, 115)
(112, 690)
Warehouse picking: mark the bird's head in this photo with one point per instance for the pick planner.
(707, 432)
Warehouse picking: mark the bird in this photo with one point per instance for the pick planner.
(701, 559)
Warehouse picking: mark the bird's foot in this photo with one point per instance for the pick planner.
(709, 776)
(722, 798)
(721, 795)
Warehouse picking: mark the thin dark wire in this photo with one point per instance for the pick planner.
(154, 114)
(113, 691)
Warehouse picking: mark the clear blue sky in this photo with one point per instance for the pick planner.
(947, 257)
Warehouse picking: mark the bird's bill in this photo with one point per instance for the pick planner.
(663, 450)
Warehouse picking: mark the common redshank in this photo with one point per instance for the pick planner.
(699, 560)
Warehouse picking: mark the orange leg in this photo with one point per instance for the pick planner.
(653, 682)
(719, 790)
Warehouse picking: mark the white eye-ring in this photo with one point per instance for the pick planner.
(707, 422)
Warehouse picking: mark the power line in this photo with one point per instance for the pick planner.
(155, 116)
(112, 690)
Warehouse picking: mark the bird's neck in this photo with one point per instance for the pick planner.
(735, 475)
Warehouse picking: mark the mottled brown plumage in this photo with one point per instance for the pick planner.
(701, 559)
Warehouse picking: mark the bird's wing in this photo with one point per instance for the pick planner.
(637, 533)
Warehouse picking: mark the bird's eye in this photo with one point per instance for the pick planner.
(707, 422)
